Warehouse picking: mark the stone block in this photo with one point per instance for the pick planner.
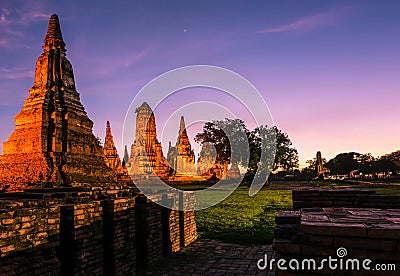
(384, 231)
(334, 229)
(287, 217)
(286, 247)
(367, 244)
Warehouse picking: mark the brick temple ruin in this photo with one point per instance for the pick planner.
(111, 156)
(363, 222)
(53, 142)
(67, 205)
(147, 159)
(146, 152)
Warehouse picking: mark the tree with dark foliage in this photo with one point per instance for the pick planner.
(344, 163)
(230, 148)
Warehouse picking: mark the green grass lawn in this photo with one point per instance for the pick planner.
(251, 220)
(244, 219)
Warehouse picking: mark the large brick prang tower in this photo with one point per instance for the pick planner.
(53, 142)
(147, 157)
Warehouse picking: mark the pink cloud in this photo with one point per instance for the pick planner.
(136, 57)
(3, 42)
(32, 16)
(28, 16)
(15, 73)
(13, 22)
(115, 63)
(308, 23)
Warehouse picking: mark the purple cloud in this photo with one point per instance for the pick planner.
(14, 21)
(109, 65)
(3, 42)
(309, 23)
(27, 17)
(15, 73)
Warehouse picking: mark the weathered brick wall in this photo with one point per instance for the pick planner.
(187, 221)
(124, 239)
(181, 224)
(70, 234)
(190, 229)
(363, 222)
(365, 233)
(175, 238)
(31, 227)
(154, 228)
(306, 198)
(87, 237)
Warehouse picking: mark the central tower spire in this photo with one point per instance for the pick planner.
(182, 126)
(53, 37)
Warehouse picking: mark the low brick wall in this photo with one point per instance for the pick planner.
(123, 245)
(313, 197)
(30, 228)
(366, 224)
(319, 232)
(114, 236)
(187, 222)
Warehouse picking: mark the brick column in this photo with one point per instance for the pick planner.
(67, 246)
(165, 221)
(181, 220)
(108, 237)
(142, 255)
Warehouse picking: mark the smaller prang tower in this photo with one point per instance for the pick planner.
(181, 156)
(111, 156)
(319, 168)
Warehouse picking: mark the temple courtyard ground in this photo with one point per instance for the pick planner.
(238, 232)
(213, 257)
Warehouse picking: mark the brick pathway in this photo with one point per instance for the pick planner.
(213, 257)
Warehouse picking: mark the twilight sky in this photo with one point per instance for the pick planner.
(328, 70)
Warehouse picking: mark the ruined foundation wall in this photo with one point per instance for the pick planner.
(361, 221)
(76, 236)
(307, 198)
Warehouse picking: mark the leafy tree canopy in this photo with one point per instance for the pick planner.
(228, 139)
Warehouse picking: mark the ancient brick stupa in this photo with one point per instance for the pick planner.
(207, 165)
(147, 157)
(126, 156)
(181, 156)
(233, 172)
(53, 143)
(111, 156)
(319, 168)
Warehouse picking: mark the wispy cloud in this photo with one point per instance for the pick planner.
(107, 67)
(308, 23)
(21, 17)
(15, 73)
(13, 22)
(3, 42)
(134, 58)
(27, 17)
